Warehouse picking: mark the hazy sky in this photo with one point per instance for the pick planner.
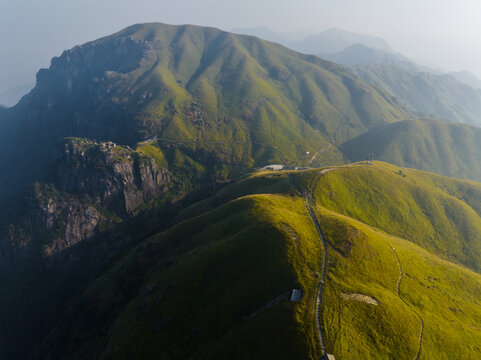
(439, 31)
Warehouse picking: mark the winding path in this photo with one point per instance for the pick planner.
(309, 193)
(323, 275)
(401, 275)
(318, 153)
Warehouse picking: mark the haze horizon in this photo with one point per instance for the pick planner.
(439, 33)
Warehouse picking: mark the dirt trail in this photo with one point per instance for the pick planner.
(401, 275)
(318, 153)
(307, 193)
(323, 275)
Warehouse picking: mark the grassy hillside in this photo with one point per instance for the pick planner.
(448, 149)
(225, 85)
(402, 203)
(227, 101)
(216, 284)
(444, 296)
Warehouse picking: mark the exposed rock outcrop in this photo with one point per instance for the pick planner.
(51, 223)
(93, 185)
(109, 175)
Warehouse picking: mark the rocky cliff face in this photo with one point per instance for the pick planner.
(94, 185)
(78, 95)
(109, 175)
(81, 91)
(51, 223)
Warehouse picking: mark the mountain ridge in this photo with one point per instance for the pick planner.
(327, 41)
(360, 54)
(441, 96)
(466, 78)
(197, 85)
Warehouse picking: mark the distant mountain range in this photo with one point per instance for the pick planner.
(333, 43)
(429, 94)
(265, 33)
(359, 54)
(452, 97)
(467, 78)
(334, 40)
(328, 41)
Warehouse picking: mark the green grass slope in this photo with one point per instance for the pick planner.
(444, 296)
(404, 203)
(232, 78)
(216, 284)
(447, 149)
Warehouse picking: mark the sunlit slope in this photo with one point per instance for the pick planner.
(410, 204)
(224, 85)
(363, 267)
(216, 284)
(447, 149)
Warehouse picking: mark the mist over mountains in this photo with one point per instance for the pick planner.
(467, 78)
(453, 97)
(431, 95)
(328, 41)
